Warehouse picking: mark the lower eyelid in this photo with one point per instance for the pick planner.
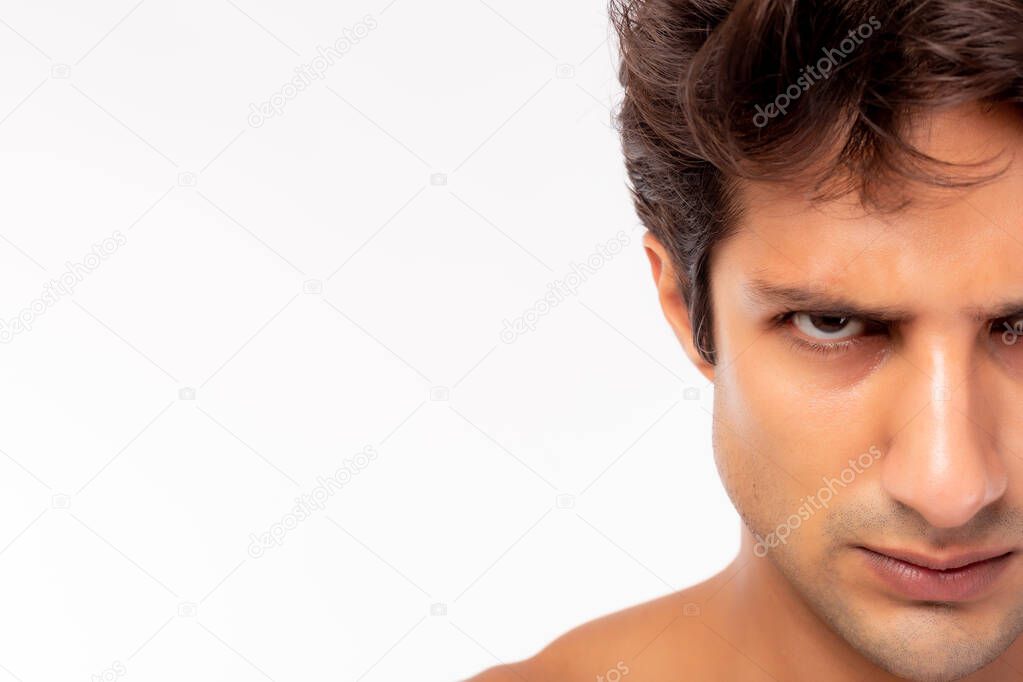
(819, 348)
(800, 343)
(823, 349)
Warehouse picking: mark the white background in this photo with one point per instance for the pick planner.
(458, 159)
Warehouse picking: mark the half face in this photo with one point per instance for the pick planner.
(869, 404)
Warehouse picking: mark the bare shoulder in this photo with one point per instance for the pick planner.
(654, 638)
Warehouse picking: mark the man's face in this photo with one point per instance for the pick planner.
(900, 436)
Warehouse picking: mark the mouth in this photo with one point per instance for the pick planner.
(965, 576)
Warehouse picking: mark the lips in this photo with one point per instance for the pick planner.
(953, 578)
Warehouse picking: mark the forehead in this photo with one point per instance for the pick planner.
(949, 250)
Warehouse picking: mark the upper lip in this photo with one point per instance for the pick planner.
(943, 562)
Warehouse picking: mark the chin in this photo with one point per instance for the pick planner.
(925, 643)
(914, 641)
(937, 668)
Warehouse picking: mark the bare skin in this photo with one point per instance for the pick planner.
(919, 419)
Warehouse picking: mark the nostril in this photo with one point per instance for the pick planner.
(945, 496)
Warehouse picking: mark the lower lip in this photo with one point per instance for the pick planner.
(927, 584)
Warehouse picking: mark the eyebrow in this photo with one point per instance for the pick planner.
(809, 299)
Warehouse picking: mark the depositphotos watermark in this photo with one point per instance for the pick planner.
(560, 288)
(74, 272)
(325, 58)
(812, 503)
(825, 65)
(114, 672)
(315, 500)
(1012, 333)
(614, 674)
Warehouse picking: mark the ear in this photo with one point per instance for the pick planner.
(672, 303)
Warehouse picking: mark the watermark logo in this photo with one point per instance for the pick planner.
(812, 503)
(307, 504)
(74, 273)
(559, 289)
(614, 674)
(114, 672)
(306, 74)
(810, 75)
(1012, 332)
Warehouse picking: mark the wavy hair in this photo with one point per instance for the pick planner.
(815, 93)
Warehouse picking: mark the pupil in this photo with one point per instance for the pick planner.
(829, 323)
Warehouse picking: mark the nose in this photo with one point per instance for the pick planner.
(941, 462)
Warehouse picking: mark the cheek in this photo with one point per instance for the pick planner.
(777, 441)
(748, 444)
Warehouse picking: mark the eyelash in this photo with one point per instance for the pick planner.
(823, 349)
(820, 349)
(830, 349)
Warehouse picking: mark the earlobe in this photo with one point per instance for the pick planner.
(673, 305)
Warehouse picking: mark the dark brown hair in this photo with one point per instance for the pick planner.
(817, 93)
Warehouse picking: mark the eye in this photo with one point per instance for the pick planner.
(830, 334)
(1011, 329)
(828, 327)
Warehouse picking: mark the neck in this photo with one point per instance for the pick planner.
(775, 625)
